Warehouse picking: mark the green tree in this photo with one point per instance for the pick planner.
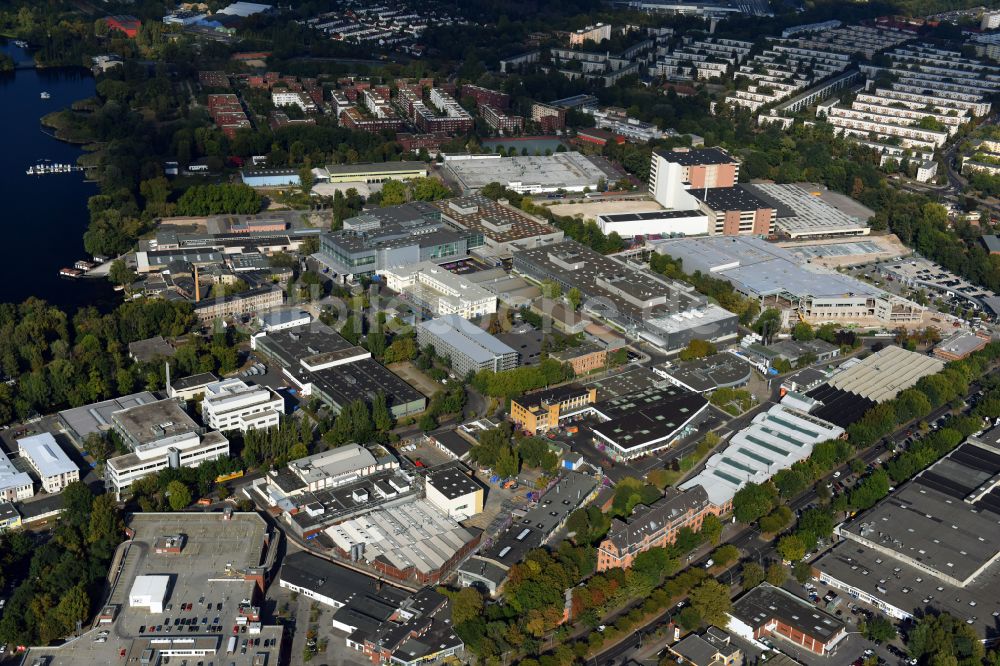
(466, 605)
(179, 495)
(776, 574)
(753, 501)
(394, 193)
(381, 417)
(121, 274)
(791, 548)
(803, 332)
(711, 528)
(753, 575)
(802, 571)
(878, 628)
(697, 348)
(98, 446)
(507, 463)
(574, 297)
(711, 600)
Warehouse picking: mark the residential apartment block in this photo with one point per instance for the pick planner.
(919, 98)
(791, 66)
(500, 121)
(495, 98)
(594, 33)
(709, 58)
(653, 526)
(232, 404)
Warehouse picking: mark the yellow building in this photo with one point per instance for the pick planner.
(10, 519)
(540, 412)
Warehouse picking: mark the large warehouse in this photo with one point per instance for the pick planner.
(629, 297)
(773, 441)
(569, 172)
(321, 363)
(932, 545)
(777, 278)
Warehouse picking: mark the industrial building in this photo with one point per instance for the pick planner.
(774, 440)
(270, 177)
(930, 546)
(469, 347)
(735, 211)
(336, 467)
(768, 611)
(707, 374)
(252, 301)
(669, 223)
(806, 213)
(454, 491)
(537, 413)
(568, 172)
(391, 237)
(627, 296)
(439, 291)
(641, 428)
(79, 422)
(321, 363)
(54, 468)
(386, 624)
(496, 227)
(188, 388)
(778, 279)
(881, 376)
(232, 404)
(159, 435)
(409, 541)
(220, 569)
(373, 172)
(653, 526)
(960, 344)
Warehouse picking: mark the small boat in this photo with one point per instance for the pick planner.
(70, 272)
(45, 95)
(20, 43)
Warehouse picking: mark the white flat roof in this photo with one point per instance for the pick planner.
(153, 588)
(46, 454)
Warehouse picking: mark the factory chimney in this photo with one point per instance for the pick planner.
(197, 285)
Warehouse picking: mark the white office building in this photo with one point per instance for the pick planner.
(14, 485)
(159, 435)
(440, 291)
(293, 98)
(47, 458)
(232, 404)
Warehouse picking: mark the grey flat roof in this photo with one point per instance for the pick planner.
(961, 343)
(46, 454)
(466, 337)
(701, 156)
(194, 381)
(373, 167)
(707, 374)
(729, 198)
(757, 267)
(96, 417)
(766, 602)
(156, 420)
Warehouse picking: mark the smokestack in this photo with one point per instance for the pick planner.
(197, 285)
(167, 364)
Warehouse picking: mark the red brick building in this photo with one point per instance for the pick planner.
(599, 137)
(548, 117)
(653, 526)
(495, 98)
(768, 611)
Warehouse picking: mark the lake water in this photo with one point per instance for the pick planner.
(44, 217)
